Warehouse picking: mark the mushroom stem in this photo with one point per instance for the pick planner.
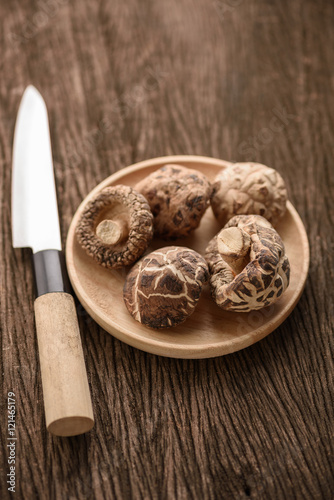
(233, 246)
(112, 232)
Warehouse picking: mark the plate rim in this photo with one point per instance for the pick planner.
(156, 346)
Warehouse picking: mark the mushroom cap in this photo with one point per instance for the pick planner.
(263, 279)
(162, 289)
(178, 197)
(128, 208)
(248, 188)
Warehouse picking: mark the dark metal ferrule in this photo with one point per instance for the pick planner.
(50, 272)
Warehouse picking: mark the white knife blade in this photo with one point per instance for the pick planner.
(35, 221)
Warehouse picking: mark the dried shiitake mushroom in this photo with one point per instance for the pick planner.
(178, 197)
(247, 263)
(116, 226)
(248, 188)
(162, 288)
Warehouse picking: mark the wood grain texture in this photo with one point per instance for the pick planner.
(127, 81)
(67, 401)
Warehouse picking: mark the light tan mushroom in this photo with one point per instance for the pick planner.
(247, 263)
(178, 197)
(116, 227)
(162, 288)
(249, 188)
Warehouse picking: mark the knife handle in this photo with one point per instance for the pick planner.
(67, 401)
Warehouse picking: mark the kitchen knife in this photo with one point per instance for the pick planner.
(35, 224)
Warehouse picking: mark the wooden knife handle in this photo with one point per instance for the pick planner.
(67, 402)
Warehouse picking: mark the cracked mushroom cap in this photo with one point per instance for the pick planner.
(248, 188)
(178, 197)
(163, 288)
(247, 263)
(116, 227)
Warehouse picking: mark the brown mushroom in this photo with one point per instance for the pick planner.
(163, 288)
(178, 197)
(116, 226)
(249, 188)
(247, 263)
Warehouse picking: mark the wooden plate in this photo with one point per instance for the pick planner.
(210, 331)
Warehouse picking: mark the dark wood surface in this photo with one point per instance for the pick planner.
(130, 80)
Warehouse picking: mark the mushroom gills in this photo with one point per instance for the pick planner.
(248, 266)
(116, 227)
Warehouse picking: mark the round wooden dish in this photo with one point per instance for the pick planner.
(210, 331)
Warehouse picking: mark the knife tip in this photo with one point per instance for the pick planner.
(30, 89)
(32, 96)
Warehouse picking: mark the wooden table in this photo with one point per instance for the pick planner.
(126, 81)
